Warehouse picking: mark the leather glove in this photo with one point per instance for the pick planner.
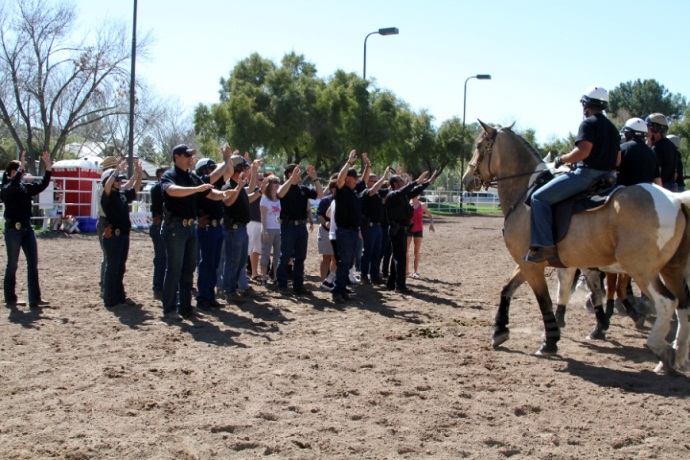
(558, 162)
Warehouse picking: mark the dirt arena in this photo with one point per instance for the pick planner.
(388, 376)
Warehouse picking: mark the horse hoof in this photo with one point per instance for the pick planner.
(639, 322)
(547, 349)
(560, 320)
(598, 333)
(665, 369)
(500, 338)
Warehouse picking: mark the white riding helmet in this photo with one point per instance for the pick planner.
(657, 122)
(675, 139)
(595, 96)
(636, 126)
(204, 163)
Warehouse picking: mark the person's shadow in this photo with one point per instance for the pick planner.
(26, 319)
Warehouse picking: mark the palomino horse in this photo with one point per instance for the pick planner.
(643, 230)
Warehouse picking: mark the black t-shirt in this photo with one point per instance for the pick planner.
(348, 210)
(667, 155)
(372, 206)
(398, 204)
(638, 164)
(156, 200)
(605, 140)
(293, 206)
(116, 207)
(211, 208)
(17, 196)
(255, 208)
(238, 212)
(181, 207)
(324, 204)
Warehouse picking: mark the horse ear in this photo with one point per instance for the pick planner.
(487, 129)
(511, 126)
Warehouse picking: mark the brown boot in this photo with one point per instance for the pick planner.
(538, 254)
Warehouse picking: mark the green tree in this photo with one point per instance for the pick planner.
(639, 98)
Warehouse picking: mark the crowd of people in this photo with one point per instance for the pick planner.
(235, 227)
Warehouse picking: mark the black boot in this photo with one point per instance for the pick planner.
(599, 331)
(609, 308)
(638, 318)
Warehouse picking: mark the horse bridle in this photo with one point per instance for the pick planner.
(487, 150)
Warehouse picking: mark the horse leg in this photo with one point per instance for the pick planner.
(603, 323)
(665, 303)
(621, 291)
(566, 277)
(682, 342)
(552, 334)
(501, 332)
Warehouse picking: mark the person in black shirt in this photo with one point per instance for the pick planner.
(348, 215)
(665, 151)
(680, 174)
(294, 198)
(210, 230)
(372, 236)
(181, 191)
(115, 201)
(236, 217)
(598, 147)
(19, 234)
(399, 212)
(638, 162)
(159, 256)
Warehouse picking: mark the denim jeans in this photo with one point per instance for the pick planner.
(293, 245)
(159, 257)
(210, 244)
(235, 259)
(116, 251)
(23, 239)
(372, 241)
(346, 241)
(398, 267)
(181, 247)
(559, 189)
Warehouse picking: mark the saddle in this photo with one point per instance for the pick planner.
(591, 199)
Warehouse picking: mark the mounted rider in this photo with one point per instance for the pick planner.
(665, 150)
(596, 152)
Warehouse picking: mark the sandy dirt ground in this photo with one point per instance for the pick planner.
(388, 376)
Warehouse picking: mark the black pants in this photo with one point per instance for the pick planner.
(396, 277)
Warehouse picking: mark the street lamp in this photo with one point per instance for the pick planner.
(384, 31)
(132, 96)
(481, 76)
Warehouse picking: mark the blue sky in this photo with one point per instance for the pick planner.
(541, 54)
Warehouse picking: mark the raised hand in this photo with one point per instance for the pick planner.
(352, 157)
(47, 161)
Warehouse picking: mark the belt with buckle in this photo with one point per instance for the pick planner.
(18, 225)
(294, 222)
(235, 226)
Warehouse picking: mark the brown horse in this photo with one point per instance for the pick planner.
(642, 230)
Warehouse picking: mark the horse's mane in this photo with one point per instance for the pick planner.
(530, 148)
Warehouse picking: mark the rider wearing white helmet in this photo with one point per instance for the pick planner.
(596, 153)
(666, 152)
(638, 162)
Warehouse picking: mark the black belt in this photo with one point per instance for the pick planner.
(17, 224)
(371, 224)
(183, 222)
(348, 228)
(294, 222)
(235, 226)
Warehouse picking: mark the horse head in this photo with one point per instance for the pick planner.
(499, 154)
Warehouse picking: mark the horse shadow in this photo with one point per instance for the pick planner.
(644, 382)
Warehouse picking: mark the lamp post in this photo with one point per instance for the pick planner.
(132, 96)
(481, 76)
(384, 31)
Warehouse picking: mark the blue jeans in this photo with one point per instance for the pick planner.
(181, 247)
(346, 240)
(372, 242)
(210, 245)
(398, 267)
(159, 257)
(15, 240)
(116, 251)
(235, 259)
(559, 189)
(293, 245)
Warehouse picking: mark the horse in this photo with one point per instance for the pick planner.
(642, 230)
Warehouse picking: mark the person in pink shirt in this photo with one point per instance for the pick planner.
(416, 232)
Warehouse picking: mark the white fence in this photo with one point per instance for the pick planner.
(457, 202)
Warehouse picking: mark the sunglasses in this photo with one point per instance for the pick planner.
(188, 154)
